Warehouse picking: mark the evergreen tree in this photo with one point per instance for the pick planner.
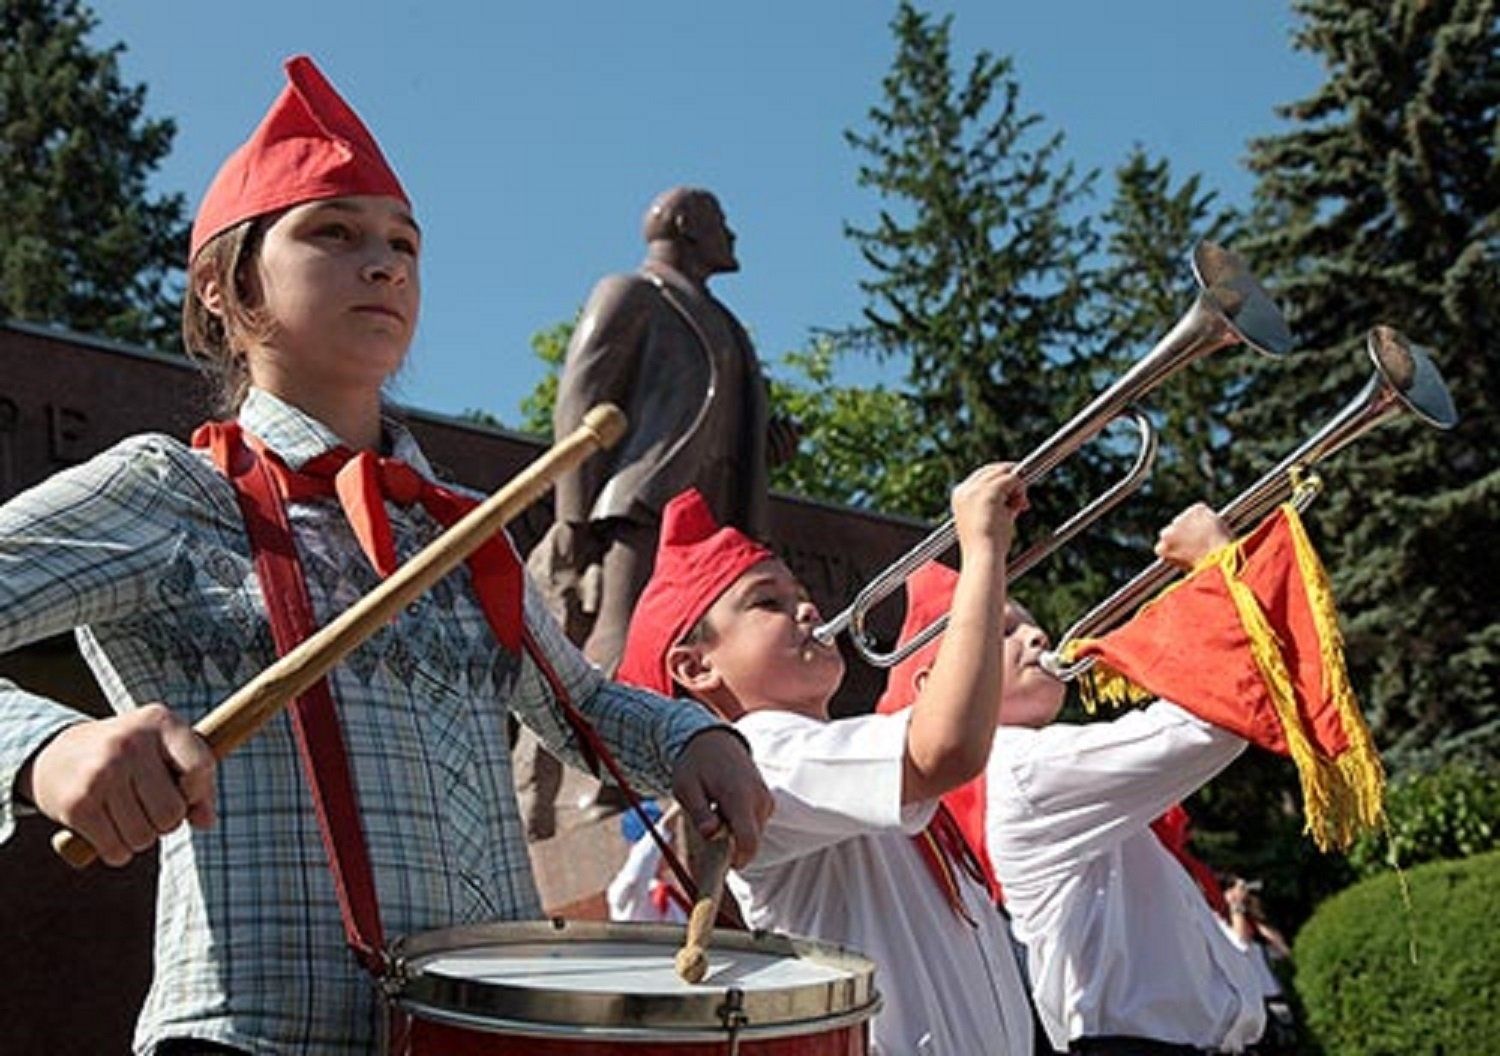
(1379, 205)
(82, 243)
(858, 443)
(1144, 287)
(978, 281)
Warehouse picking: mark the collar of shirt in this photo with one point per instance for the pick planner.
(297, 437)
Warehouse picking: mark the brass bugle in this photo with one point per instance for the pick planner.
(1231, 308)
(1405, 382)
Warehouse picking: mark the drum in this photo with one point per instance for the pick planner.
(580, 988)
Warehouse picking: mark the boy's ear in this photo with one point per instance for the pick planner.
(692, 670)
(919, 680)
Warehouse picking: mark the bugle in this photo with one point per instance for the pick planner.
(1405, 382)
(1231, 308)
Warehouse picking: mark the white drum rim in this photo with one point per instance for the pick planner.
(702, 1014)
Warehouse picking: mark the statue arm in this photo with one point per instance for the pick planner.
(603, 363)
(783, 433)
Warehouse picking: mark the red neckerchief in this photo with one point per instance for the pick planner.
(263, 484)
(664, 893)
(945, 851)
(966, 804)
(362, 482)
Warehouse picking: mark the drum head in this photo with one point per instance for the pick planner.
(617, 980)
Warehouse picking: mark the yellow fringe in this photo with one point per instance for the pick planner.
(1359, 790)
(1102, 684)
(1342, 796)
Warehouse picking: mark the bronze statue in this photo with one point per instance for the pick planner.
(679, 363)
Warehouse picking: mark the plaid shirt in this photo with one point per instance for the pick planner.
(144, 552)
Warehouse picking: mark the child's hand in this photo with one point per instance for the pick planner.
(1193, 534)
(985, 507)
(717, 783)
(123, 782)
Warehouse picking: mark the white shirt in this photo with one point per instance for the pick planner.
(837, 863)
(1120, 939)
(630, 893)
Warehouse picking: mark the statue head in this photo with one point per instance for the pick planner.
(687, 225)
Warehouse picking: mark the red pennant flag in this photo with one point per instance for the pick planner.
(1250, 642)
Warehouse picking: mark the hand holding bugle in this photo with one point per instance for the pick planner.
(1406, 381)
(238, 718)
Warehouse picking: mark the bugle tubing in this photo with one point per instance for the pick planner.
(1231, 308)
(1405, 382)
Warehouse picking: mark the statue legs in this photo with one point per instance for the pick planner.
(594, 606)
(629, 557)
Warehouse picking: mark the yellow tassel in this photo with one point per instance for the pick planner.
(1266, 650)
(1342, 796)
(1102, 684)
(1361, 774)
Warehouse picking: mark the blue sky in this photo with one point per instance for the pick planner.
(532, 136)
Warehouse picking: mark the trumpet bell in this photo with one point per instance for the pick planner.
(1231, 308)
(1412, 377)
(1244, 304)
(1406, 381)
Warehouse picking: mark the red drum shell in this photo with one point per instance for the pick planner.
(572, 988)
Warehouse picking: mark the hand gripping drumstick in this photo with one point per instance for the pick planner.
(692, 959)
(238, 718)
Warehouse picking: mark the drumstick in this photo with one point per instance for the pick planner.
(692, 959)
(235, 720)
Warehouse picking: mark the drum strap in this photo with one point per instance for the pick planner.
(315, 723)
(596, 751)
(262, 484)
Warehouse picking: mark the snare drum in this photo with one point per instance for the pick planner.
(578, 988)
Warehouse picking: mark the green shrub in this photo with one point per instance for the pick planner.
(1450, 812)
(1361, 991)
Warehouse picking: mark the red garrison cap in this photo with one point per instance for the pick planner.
(310, 145)
(696, 561)
(929, 594)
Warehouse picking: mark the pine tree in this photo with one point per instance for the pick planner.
(82, 242)
(1144, 286)
(1381, 204)
(978, 281)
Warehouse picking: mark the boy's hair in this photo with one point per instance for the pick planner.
(700, 633)
(219, 342)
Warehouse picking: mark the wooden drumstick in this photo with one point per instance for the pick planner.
(235, 720)
(692, 959)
